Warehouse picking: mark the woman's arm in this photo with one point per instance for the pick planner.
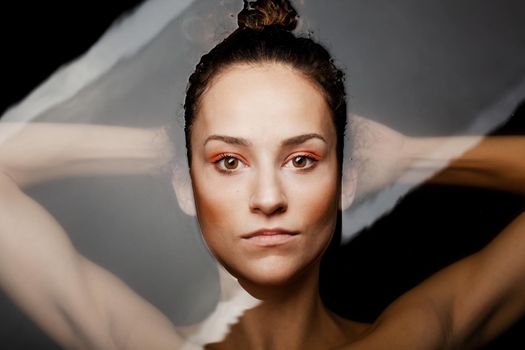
(35, 152)
(77, 303)
(474, 300)
(493, 162)
(463, 306)
(384, 156)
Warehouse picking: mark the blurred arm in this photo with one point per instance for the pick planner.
(77, 303)
(383, 157)
(495, 162)
(463, 306)
(35, 152)
(474, 300)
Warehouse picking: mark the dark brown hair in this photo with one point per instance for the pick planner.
(264, 35)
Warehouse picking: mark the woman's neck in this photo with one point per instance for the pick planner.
(290, 317)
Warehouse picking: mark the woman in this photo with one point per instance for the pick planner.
(282, 187)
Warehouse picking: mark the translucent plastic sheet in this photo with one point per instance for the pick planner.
(435, 68)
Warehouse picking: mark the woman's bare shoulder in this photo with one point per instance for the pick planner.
(396, 332)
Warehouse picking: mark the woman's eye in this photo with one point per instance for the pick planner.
(229, 163)
(301, 162)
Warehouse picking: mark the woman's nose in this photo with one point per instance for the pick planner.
(268, 196)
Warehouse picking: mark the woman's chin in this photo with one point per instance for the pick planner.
(267, 274)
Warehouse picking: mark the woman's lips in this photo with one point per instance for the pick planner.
(270, 237)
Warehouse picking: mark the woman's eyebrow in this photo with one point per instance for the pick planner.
(297, 140)
(228, 139)
(292, 141)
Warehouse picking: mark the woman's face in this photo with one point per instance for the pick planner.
(264, 171)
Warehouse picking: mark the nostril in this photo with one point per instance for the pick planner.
(281, 210)
(269, 205)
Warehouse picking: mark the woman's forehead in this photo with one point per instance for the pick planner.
(249, 100)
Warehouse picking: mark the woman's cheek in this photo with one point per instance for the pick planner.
(316, 191)
(318, 204)
(217, 200)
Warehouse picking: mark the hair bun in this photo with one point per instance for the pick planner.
(259, 14)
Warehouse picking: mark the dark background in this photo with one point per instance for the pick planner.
(432, 227)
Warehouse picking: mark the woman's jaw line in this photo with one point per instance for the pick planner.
(282, 290)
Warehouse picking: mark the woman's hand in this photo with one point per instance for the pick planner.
(379, 156)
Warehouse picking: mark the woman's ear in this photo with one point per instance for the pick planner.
(348, 187)
(181, 182)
